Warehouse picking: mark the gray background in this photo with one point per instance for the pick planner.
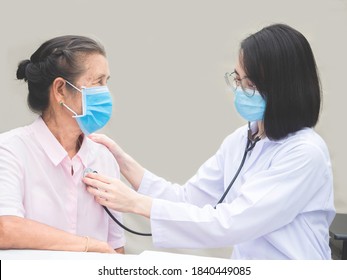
(167, 61)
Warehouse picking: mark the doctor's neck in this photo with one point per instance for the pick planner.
(259, 132)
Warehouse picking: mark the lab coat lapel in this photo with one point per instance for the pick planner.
(252, 156)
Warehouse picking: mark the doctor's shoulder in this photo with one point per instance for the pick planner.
(305, 145)
(310, 138)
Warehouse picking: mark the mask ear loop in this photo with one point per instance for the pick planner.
(67, 107)
(76, 88)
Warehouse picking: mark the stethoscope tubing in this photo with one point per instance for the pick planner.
(249, 146)
(123, 226)
(88, 170)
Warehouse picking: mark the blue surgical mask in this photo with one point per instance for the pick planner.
(96, 106)
(251, 108)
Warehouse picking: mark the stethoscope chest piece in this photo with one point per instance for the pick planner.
(87, 171)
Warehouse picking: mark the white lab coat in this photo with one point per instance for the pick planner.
(280, 207)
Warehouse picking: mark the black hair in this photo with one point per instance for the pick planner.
(279, 61)
(58, 57)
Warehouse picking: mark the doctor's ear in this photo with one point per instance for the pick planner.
(58, 89)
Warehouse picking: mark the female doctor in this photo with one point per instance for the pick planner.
(268, 190)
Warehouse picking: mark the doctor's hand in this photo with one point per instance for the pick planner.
(114, 148)
(114, 194)
(129, 167)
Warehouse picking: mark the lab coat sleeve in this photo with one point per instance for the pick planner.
(11, 188)
(268, 200)
(205, 187)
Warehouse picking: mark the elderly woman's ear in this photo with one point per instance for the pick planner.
(58, 90)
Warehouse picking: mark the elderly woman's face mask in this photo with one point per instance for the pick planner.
(96, 106)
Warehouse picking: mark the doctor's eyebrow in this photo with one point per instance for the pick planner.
(237, 73)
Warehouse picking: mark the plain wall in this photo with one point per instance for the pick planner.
(167, 61)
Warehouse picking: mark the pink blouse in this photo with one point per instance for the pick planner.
(39, 181)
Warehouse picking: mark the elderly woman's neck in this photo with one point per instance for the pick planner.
(67, 135)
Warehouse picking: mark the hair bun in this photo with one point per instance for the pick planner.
(21, 71)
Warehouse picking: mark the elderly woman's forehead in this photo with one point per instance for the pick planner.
(96, 66)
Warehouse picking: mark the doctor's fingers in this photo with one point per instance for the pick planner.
(103, 198)
(99, 177)
(114, 200)
(100, 194)
(106, 187)
(109, 204)
(106, 141)
(115, 186)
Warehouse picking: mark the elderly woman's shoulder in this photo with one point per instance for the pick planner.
(99, 149)
(106, 161)
(13, 136)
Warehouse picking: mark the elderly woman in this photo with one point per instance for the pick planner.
(44, 204)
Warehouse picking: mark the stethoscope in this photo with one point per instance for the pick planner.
(89, 170)
(249, 147)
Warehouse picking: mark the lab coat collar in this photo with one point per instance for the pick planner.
(51, 146)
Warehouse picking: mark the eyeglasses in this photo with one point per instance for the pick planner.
(233, 81)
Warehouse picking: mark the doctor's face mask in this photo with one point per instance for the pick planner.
(96, 108)
(250, 107)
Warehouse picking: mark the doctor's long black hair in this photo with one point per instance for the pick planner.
(279, 61)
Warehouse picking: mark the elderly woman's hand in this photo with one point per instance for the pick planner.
(114, 194)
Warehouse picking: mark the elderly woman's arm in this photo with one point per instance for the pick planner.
(21, 233)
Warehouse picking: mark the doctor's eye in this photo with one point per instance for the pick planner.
(237, 80)
(249, 84)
